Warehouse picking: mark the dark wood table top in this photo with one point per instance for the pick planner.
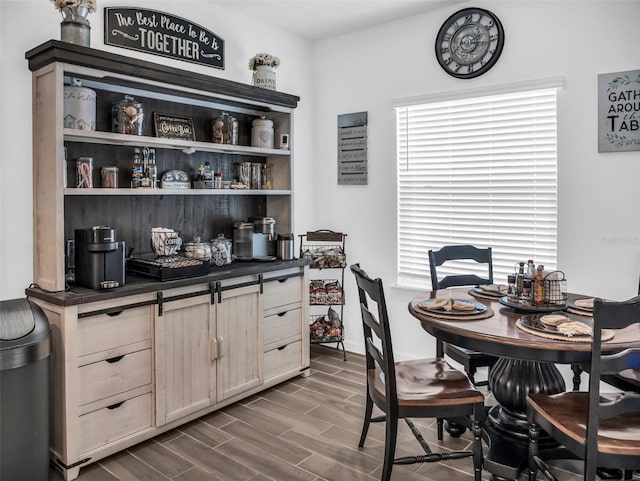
(500, 336)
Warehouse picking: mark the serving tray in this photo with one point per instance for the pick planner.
(505, 301)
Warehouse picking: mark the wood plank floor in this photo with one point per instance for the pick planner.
(306, 429)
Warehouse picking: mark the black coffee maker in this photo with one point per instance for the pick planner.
(99, 258)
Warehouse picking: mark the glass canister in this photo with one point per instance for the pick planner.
(243, 240)
(225, 130)
(127, 116)
(256, 175)
(262, 133)
(109, 177)
(84, 172)
(220, 251)
(244, 173)
(267, 180)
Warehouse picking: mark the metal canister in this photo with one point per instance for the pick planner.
(225, 130)
(285, 247)
(127, 116)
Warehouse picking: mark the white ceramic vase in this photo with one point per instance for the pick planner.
(264, 76)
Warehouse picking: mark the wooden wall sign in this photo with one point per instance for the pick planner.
(162, 34)
(352, 149)
(619, 111)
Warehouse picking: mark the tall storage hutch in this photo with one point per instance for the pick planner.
(131, 362)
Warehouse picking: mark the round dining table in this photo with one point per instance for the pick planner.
(526, 364)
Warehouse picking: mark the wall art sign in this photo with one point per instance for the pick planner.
(352, 149)
(172, 127)
(619, 111)
(162, 34)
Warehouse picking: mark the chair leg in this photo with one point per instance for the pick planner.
(477, 451)
(535, 462)
(368, 410)
(439, 428)
(533, 451)
(391, 432)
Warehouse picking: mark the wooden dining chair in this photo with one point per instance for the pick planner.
(602, 429)
(469, 359)
(421, 388)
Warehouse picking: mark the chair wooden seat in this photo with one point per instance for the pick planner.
(566, 413)
(426, 382)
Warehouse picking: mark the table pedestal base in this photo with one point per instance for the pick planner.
(511, 380)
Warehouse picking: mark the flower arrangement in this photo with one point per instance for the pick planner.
(75, 5)
(263, 59)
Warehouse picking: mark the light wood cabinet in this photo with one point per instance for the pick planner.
(133, 362)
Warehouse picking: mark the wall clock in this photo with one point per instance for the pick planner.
(469, 43)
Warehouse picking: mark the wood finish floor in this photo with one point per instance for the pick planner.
(306, 429)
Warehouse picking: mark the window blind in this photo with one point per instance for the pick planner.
(480, 171)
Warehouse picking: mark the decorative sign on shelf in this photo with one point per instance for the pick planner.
(172, 127)
(162, 34)
(619, 111)
(352, 149)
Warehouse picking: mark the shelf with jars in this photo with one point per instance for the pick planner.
(123, 99)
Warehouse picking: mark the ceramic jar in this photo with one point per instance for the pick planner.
(262, 133)
(79, 107)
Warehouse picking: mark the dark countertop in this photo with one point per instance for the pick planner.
(136, 284)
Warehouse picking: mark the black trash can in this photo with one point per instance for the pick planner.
(25, 346)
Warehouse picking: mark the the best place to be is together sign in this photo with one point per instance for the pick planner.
(162, 34)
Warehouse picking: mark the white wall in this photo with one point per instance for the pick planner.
(599, 225)
(25, 24)
(598, 195)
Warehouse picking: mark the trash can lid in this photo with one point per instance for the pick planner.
(16, 319)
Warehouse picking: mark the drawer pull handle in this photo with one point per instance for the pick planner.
(114, 359)
(282, 348)
(280, 314)
(116, 405)
(282, 281)
(115, 313)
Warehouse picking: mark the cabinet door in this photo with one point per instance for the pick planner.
(240, 341)
(185, 358)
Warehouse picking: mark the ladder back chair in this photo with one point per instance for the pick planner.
(603, 429)
(471, 360)
(423, 388)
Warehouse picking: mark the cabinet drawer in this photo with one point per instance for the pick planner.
(111, 423)
(107, 331)
(280, 293)
(109, 377)
(281, 326)
(281, 360)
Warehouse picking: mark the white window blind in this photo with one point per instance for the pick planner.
(478, 171)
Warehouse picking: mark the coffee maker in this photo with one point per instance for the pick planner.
(99, 258)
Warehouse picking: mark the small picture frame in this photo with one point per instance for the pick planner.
(172, 127)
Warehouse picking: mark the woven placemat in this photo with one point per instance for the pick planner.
(607, 334)
(483, 296)
(473, 317)
(580, 312)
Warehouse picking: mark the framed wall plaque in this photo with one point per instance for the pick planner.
(619, 111)
(172, 127)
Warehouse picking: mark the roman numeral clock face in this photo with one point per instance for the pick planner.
(469, 43)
